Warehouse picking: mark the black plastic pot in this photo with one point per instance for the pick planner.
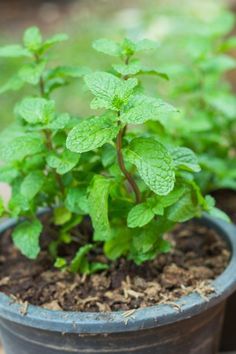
(159, 329)
(228, 339)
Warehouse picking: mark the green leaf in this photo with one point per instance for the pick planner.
(36, 110)
(97, 267)
(68, 72)
(2, 208)
(18, 204)
(219, 214)
(119, 243)
(107, 46)
(146, 45)
(185, 159)
(144, 108)
(219, 64)
(92, 133)
(140, 215)
(32, 184)
(31, 73)
(104, 86)
(132, 68)
(172, 197)
(8, 174)
(79, 262)
(148, 241)
(77, 200)
(154, 72)
(20, 147)
(14, 84)
(14, 51)
(154, 164)
(50, 42)
(60, 263)
(63, 163)
(32, 39)
(61, 215)
(26, 238)
(98, 207)
(185, 209)
(62, 121)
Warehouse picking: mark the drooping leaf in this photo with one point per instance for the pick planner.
(32, 184)
(92, 133)
(217, 213)
(26, 238)
(79, 262)
(98, 207)
(154, 164)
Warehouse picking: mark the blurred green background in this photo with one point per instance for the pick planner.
(175, 26)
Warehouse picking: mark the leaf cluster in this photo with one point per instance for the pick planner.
(107, 170)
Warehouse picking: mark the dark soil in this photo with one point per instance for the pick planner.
(226, 200)
(198, 256)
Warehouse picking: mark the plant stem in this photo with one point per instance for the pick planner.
(128, 176)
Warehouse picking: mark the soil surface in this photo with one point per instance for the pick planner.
(226, 200)
(198, 256)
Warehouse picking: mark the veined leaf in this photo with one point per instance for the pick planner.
(20, 147)
(185, 159)
(92, 133)
(26, 238)
(143, 108)
(154, 164)
(32, 184)
(110, 91)
(140, 215)
(31, 73)
(107, 46)
(63, 163)
(36, 110)
(98, 207)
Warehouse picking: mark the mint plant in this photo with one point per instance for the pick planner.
(107, 171)
(208, 124)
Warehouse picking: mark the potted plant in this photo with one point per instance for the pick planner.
(105, 263)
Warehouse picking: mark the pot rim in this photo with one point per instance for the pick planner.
(143, 318)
